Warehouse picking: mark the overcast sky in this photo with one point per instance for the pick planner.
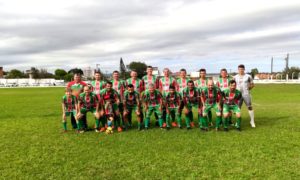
(192, 34)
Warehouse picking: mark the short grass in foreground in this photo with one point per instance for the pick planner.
(32, 147)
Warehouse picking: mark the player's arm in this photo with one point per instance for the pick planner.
(251, 83)
(202, 99)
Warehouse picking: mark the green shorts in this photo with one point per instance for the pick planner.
(84, 110)
(152, 109)
(132, 108)
(234, 108)
(70, 113)
(208, 108)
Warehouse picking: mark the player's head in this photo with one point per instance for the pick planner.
(232, 85)
(133, 74)
(149, 70)
(202, 73)
(172, 89)
(68, 91)
(116, 75)
(190, 84)
(97, 75)
(151, 87)
(77, 77)
(108, 85)
(210, 84)
(223, 73)
(241, 69)
(87, 89)
(182, 73)
(166, 72)
(130, 88)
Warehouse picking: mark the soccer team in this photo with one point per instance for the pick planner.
(113, 102)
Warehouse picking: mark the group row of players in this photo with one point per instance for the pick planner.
(113, 102)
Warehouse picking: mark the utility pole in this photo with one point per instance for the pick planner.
(287, 62)
(272, 65)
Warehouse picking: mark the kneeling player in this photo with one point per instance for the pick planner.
(210, 98)
(153, 103)
(231, 99)
(69, 107)
(172, 104)
(88, 102)
(132, 103)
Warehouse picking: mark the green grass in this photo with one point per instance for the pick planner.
(32, 147)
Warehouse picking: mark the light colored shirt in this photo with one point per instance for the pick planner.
(243, 83)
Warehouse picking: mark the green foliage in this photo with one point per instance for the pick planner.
(75, 71)
(60, 73)
(15, 73)
(139, 67)
(293, 71)
(254, 72)
(32, 146)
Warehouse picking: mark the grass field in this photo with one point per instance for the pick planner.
(33, 147)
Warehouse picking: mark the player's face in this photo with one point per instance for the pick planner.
(133, 74)
(77, 78)
(190, 85)
(223, 74)
(151, 89)
(86, 90)
(116, 75)
(130, 89)
(68, 93)
(97, 76)
(232, 87)
(241, 71)
(108, 87)
(182, 74)
(172, 91)
(149, 71)
(166, 73)
(202, 74)
(210, 85)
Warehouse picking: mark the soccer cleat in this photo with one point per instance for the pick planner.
(238, 129)
(188, 128)
(217, 129)
(192, 124)
(102, 129)
(120, 129)
(80, 131)
(226, 129)
(146, 128)
(157, 124)
(164, 125)
(174, 124)
(211, 124)
(168, 128)
(180, 127)
(97, 130)
(252, 124)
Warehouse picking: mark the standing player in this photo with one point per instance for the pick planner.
(153, 103)
(131, 104)
(172, 100)
(111, 101)
(88, 102)
(119, 86)
(231, 97)
(164, 85)
(245, 84)
(77, 88)
(210, 98)
(191, 98)
(69, 107)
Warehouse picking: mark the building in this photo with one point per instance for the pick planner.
(88, 72)
(1, 72)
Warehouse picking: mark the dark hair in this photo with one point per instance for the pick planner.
(116, 72)
(190, 81)
(172, 87)
(97, 72)
(202, 70)
(241, 66)
(224, 70)
(149, 67)
(232, 82)
(183, 70)
(77, 74)
(109, 82)
(130, 86)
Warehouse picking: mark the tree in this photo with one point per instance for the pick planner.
(293, 71)
(68, 77)
(43, 73)
(139, 67)
(35, 72)
(254, 72)
(75, 71)
(15, 73)
(60, 73)
(122, 69)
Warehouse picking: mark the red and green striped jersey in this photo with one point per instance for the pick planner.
(98, 86)
(223, 83)
(201, 83)
(231, 98)
(138, 84)
(88, 101)
(69, 102)
(119, 86)
(77, 88)
(151, 79)
(181, 84)
(211, 96)
(109, 96)
(172, 100)
(152, 99)
(191, 96)
(164, 83)
(131, 99)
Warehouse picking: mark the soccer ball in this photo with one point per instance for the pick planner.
(109, 130)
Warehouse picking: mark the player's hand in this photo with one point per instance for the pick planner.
(186, 111)
(64, 116)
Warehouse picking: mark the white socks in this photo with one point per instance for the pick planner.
(251, 114)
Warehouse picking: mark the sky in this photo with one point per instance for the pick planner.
(191, 34)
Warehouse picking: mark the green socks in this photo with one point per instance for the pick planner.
(65, 125)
